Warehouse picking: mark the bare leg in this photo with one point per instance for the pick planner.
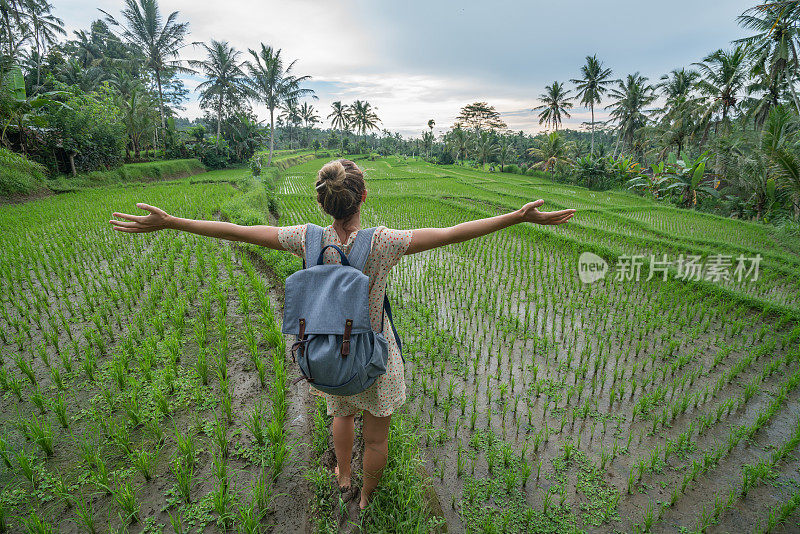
(376, 452)
(342, 428)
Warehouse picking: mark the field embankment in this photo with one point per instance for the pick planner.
(21, 179)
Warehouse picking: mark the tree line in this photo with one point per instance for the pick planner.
(720, 134)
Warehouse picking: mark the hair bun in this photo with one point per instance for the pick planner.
(340, 188)
(332, 173)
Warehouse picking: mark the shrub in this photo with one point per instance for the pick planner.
(446, 158)
(511, 169)
(88, 128)
(19, 175)
(213, 155)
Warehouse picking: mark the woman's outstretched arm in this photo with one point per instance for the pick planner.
(428, 238)
(158, 219)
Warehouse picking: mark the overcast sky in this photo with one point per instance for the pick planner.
(417, 60)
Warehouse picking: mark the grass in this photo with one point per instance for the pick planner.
(19, 175)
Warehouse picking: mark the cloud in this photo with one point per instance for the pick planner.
(416, 60)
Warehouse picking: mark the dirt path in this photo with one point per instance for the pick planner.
(292, 492)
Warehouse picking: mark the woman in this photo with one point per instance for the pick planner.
(341, 192)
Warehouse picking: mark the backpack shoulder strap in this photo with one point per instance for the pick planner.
(313, 244)
(360, 249)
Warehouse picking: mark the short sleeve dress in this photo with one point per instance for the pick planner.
(388, 392)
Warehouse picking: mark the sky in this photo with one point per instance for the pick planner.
(416, 60)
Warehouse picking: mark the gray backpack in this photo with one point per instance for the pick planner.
(327, 309)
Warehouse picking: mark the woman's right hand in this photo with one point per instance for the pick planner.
(156, 220)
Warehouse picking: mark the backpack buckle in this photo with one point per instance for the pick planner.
(348, 326)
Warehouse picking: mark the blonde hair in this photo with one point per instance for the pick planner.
(340, 186)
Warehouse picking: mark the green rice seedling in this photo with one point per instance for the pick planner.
(524, 472)
(41, 433)
(101, 476)
(176, 521)
(26, 368)
(221, 503)
(249, 517)
(279, 456)
(120, 435)
(35, 524)
(161, 402)
(66, 361)
(38, 399)
(119, 373)
(64, 491)
(145, 462)
(261, 367)
(25, 463)
(132, 409)
(220, 435)
(89, 363)
(202, 366)
(186, 446)
(547, 502)
(184, 473)
(43, 355)
(649, 517)
(4, 453)
(227, 403)
(255, 422)
(128, 502)
(261, 492)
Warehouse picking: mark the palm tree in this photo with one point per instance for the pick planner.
(158, 40)
(724, 76)
(340, 118)
(45, 27)
(13, 28)
(290, 116)
(681, 109)
(485, 147)
(677, 86)
(505, 150)
(550, 151)
(775, 43)
(274, 85)
(138, 115)
(555, 103)
(632, 96)
(363, 117)
(427, 141)
(226, 83)
(779, 142)
(459, 140)
(592, 85)
(309, 117)
(431, 124)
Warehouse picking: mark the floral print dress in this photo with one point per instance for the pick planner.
(388, 392)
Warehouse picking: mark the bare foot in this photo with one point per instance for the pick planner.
(364, 502)
(344, 481)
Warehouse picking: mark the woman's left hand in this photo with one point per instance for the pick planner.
(158, 219)
(533, 215)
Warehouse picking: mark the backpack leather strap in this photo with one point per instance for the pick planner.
(348, 327)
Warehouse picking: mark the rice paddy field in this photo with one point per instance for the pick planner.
(145, 385)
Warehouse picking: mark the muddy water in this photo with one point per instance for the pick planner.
(530, 332)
